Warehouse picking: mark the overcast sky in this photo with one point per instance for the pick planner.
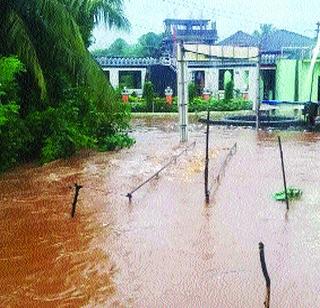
(230, 15)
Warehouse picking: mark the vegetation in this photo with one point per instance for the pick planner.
(54, 98)
(148, 94)
(192, 91)
(229, 88)
(263, 32)
(196, 105)
(148, 45)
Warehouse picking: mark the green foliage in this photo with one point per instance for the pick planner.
(228, 91)
(192, 91)
(159, 104)
(197, 105)
(149, 45)
(63, 101)
(10, 67)
(148, 94)
(13, 135)
(12, 128)
(264, 31)
(127, 81)
(116, 142)
(293, 193)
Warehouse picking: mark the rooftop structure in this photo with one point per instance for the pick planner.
(197, 31)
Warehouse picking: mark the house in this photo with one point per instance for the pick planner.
(285, 64)
(129, 72)
(285, 59)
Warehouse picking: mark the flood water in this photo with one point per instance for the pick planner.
(167, 248)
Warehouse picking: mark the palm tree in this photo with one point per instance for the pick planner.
(51, 38)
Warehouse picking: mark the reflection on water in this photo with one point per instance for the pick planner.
(167, 248)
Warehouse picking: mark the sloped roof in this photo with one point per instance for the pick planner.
(272, 43)
(276, 40)
(240, 39)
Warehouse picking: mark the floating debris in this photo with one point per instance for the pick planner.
(292, 192)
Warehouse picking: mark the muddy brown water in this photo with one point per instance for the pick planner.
(167, 248)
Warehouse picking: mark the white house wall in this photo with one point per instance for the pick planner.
(114, 76)
(212, 79)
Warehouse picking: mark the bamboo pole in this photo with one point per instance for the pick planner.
(206, 170)
(283, 173)
(265, 274)
(75, 200)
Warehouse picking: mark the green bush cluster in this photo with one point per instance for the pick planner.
(196, 105)
(54, 130)
(159, 104)
(148, 94)
(235, 104)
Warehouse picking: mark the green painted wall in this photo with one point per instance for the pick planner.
(286, 80)
(285, 77)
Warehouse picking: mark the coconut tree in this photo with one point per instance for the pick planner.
(51, 36)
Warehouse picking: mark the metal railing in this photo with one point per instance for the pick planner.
(221, 172)
(171, 161)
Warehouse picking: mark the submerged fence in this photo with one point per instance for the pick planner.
(171, 161)
(221, 172)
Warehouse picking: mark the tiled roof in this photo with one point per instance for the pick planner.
(240, 39)
(272, 43)
(280, 39)
(126, 62)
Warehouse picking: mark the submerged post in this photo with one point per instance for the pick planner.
(206, 169)
(283, 173)
(75, 200)
(265, 274)
(182, 93)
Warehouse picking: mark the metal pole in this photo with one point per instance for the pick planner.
(182, 93)
(283, 173)
(265, 274)
(206, 170)
(258, 92)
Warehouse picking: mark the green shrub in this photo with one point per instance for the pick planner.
(192, 91)
(228, 91)
(117, 141)
(199, 104)
(148, 94)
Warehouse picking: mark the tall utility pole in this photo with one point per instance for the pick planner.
(182, 92)
(257, 101)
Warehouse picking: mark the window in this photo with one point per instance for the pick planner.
(224, 77)
(198, 77)
(130, 79)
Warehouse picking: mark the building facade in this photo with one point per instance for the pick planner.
(285, 61)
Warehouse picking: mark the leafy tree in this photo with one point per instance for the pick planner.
(50, 37)
(64, 101)
(264, 31)
(148, 45)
